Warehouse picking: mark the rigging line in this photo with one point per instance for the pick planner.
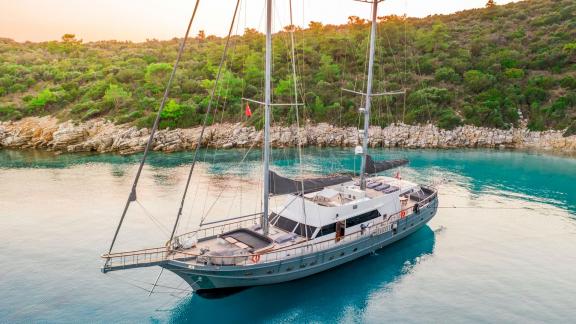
(405, 56)
(132, 282)
(223, 91)
(132, 195)
(156, 282)
(153, 219)
(419, 73)
(292, 27)
(192, 207)
(507, 208)
(199, 142)
(303, 63)
(205, 215)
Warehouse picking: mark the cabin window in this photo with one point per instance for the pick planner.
(302, 229)
(286, 224)
(353, 221)
(327, 229)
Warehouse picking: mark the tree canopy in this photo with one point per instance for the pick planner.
(486, 67)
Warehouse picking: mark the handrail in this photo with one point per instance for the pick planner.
(163, 253)
(129, 252)
(233, 218)
(205, 229)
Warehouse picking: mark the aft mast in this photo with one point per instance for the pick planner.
(368, 93)
(268, 89)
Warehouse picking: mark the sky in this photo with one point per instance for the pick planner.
(138, 20)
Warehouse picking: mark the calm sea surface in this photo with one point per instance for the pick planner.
(502, 247)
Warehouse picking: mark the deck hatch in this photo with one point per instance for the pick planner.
(248, 237)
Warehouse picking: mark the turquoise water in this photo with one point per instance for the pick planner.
(501, 249)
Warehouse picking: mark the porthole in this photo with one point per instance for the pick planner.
(247, 273)
(330, 258)
(288, 269)
(355, 249)
(342, 254)
(270, 271)
(303, 265)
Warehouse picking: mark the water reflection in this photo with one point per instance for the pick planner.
(118, 170)
(345, 289)
(530, 174)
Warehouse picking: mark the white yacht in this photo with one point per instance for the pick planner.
(323, 223)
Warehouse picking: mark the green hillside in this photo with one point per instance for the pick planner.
(483, 67)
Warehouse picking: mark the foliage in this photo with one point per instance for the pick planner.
(116, 97)
(43, 99)
(447, 74)
(477, 81)
(480, 67)
(172, 110)
(448, 119)
(514, 73)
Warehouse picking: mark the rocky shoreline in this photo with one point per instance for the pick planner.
(101, 136)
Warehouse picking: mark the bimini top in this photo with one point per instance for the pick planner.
(281, 186)
(373, 167)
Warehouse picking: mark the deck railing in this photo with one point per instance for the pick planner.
(224, 226)
(154, 256)
(304, 249)
(148, 257)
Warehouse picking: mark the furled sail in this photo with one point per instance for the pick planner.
(281, 186)
(379, 166)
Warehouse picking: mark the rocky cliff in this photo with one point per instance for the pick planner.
(103, 136)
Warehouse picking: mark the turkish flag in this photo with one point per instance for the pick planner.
(248, 112)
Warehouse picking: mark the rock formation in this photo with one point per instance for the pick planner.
(103, 136)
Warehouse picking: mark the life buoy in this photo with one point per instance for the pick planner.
(255, 258)
(402, 213)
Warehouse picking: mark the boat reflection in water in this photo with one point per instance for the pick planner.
(325, 296)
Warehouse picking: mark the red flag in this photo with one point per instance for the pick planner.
(248, 112)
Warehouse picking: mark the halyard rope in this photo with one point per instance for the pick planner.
(132, 195)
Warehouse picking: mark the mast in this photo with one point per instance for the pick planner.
(368, 94)
(268, 90)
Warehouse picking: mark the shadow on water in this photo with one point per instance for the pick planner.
(323, 297)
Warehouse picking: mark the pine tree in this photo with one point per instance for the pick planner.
(490, 4)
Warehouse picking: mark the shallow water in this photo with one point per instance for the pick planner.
(501, 249)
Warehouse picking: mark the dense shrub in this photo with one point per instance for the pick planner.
(477, 81)
(447, 74)
(42, 100)
(478, 66)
